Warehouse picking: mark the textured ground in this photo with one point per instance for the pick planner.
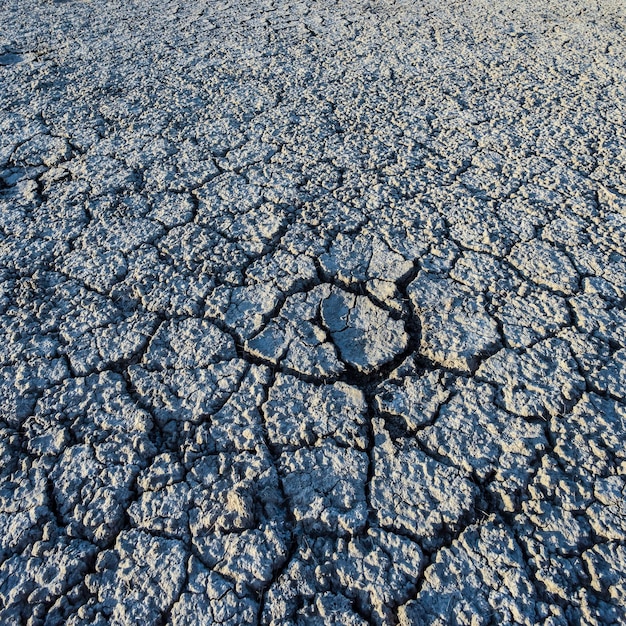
(312, 312)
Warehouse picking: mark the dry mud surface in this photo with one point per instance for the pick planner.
(312, 312)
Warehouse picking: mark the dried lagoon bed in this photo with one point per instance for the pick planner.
(312, 312)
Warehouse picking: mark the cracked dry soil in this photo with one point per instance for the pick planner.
(313, 312)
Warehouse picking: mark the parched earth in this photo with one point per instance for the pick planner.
(312, 312)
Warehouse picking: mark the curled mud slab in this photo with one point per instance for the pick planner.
(312, 312)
